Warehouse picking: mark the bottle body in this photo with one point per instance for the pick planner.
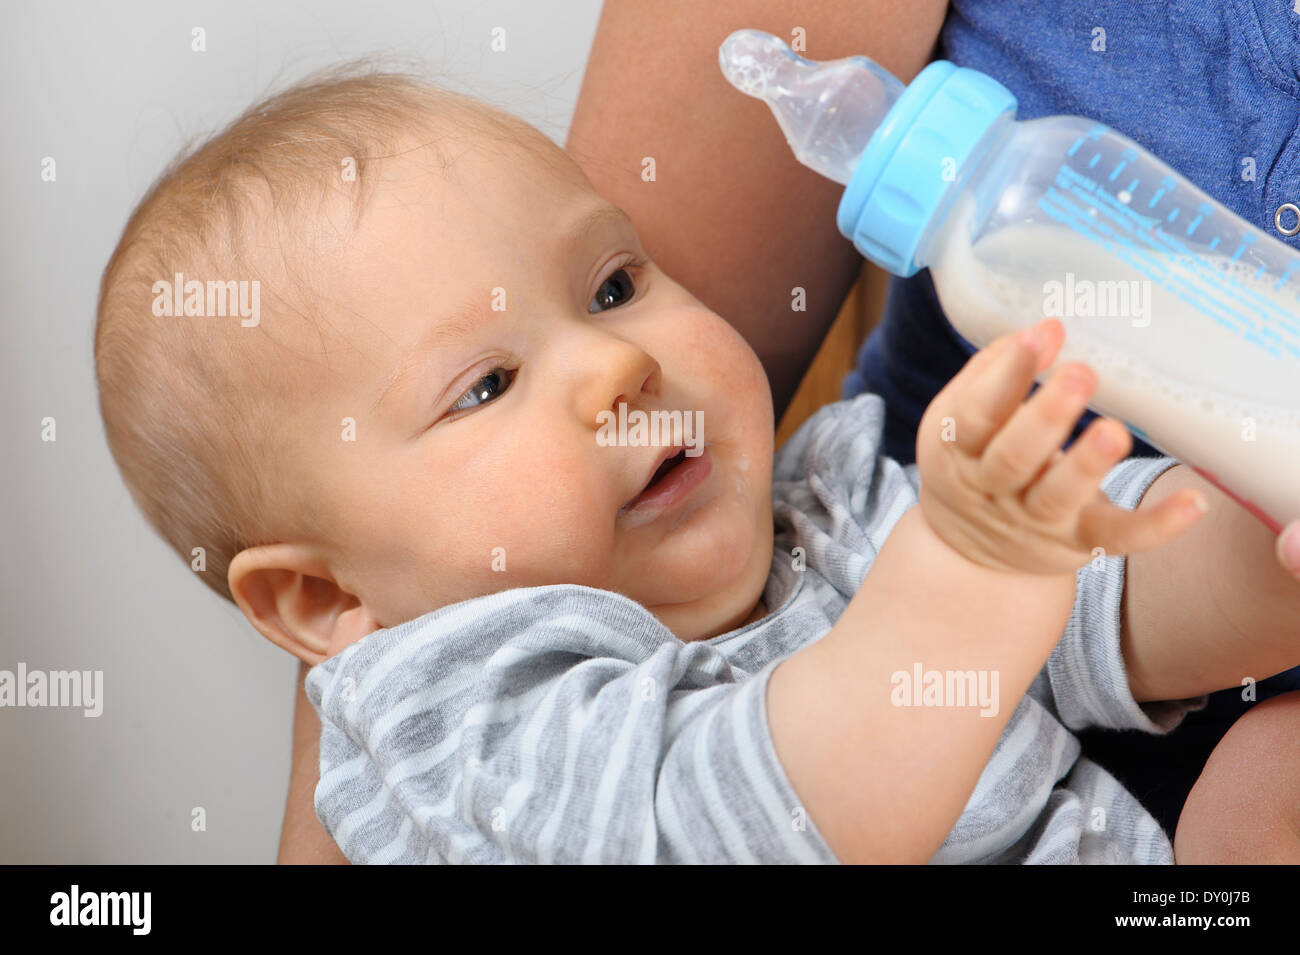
(1189, 315)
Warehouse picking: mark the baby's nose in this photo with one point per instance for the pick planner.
(611, 373)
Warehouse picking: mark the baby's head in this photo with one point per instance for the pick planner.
(420, 399)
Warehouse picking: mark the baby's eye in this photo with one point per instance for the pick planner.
(490, 386)
(614, 291)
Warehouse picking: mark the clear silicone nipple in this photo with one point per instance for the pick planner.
(828, 111)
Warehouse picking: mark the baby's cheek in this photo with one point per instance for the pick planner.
(546, 528)
(716, 350)
(744, 368)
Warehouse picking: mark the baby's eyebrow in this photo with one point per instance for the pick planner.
(461, 323)
(469, 316)
(604, 214)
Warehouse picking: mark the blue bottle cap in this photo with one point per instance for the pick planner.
(914, 158)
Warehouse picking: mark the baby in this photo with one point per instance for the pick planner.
(537, 638)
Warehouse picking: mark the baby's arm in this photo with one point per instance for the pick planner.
(979, 577)
(887, 783)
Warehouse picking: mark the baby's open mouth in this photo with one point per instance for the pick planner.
(664, 468)
(674, 478)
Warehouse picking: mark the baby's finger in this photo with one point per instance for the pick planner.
(988, 391)
(1121, 531)
(1017, 453)
(1071, 481)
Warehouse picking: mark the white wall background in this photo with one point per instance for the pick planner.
(197, 705)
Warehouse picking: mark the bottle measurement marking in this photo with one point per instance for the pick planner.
(1290, 270)
(1218, 297)
(1268, 310)
(1126, 157)
(1204, 210)
(1058, 206)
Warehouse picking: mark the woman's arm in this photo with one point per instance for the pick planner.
(731, 215)
(1212, 608)
(303, 840)
(1245, 807)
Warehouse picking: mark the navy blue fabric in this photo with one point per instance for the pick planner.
(1212, 87)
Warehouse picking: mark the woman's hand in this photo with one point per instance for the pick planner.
(1288, 549)
(995, 484)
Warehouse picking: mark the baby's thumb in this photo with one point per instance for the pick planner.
(1121, 531)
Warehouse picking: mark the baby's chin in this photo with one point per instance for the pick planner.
(707, 583)
(716, 612)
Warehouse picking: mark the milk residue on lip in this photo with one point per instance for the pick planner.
(1184, 380)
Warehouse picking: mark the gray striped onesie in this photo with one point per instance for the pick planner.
(567, 724)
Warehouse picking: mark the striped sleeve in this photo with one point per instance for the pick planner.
(1085, 682)
(1038, 802)
(555, 724)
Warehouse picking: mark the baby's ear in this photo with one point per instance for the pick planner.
(289, 595)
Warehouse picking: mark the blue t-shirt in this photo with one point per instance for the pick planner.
(1212, 87)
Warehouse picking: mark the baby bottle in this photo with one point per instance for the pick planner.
(1189, 315)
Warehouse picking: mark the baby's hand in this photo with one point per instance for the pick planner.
(995, 484)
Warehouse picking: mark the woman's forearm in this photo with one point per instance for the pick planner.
(729, 213)
(303, 840)
(1212, 607)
